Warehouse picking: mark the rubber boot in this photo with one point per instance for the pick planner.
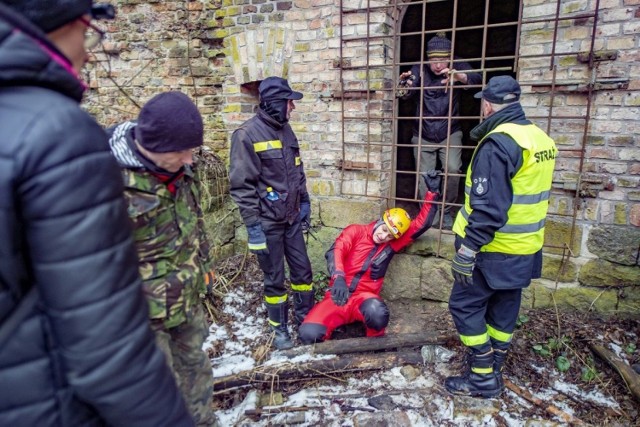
(278, 319)
(499, 358)
(480, 381)
(302, 304)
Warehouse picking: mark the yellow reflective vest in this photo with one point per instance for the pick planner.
(523, 234)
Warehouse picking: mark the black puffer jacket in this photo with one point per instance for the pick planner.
(84, 355)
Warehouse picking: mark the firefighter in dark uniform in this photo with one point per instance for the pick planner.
(269, 186)
(499, 233)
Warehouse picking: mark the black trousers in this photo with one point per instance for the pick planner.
(284, 240)
(475, 308)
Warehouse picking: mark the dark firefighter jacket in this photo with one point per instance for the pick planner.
(495, 162)
(265, 153)
(83, 354)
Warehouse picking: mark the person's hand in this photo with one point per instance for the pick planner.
(406, 79)
(257, 239)
(305, 215)
(462, 266)
(339, 291)
(433, 180)
(459, 77)
(453, 76)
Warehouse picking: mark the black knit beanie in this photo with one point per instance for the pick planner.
(169, 122)
(50, 15)
(439, 46)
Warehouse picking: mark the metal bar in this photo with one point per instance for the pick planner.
(586, 124)
(367, 73)
(340, 59)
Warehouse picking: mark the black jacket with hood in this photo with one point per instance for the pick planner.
(83, 354)
(265, 153)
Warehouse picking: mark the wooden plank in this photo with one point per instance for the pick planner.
(629, 376)
(363, 344)
(272, 374)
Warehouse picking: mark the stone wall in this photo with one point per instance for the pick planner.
(217, 51)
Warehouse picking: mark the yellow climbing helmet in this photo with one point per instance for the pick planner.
(397, 221)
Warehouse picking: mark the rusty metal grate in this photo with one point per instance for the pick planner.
(548, 48)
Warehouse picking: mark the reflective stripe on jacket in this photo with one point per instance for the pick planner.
(523, 233)
(266, 154)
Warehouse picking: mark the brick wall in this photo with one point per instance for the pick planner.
(216, 50)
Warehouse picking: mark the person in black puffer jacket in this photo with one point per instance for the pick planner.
(437, 133)
(75, 345)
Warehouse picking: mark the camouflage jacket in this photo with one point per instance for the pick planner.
(172, 246)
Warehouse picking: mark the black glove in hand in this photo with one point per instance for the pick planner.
(339, 291)
(433, 180)
(305, 215)
(462, 266)
(257, 239)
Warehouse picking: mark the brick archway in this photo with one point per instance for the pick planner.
(262, 52)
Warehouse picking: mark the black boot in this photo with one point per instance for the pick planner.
(499, 357)
(278, 319)
(480, 381)
(302, 304)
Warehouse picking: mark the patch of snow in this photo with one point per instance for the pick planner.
(593, 396)
(423, 399)
(618, 351)
(231, 364)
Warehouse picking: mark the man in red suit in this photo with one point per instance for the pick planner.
(357, 263)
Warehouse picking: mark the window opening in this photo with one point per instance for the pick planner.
(380, 40)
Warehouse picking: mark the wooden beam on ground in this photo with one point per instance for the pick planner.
(358, 345)
(272, 374)
(550, 408)
(629, 376)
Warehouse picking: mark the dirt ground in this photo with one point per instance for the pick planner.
(549, 345)
(541, 338)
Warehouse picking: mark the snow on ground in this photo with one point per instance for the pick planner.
(415, 400)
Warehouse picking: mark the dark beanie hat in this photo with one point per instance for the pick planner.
(439, 46)
(50, 15)
(169, 122)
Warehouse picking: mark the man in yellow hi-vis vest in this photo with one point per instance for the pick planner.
(499, 233)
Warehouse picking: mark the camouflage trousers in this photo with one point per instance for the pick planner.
(182, 346)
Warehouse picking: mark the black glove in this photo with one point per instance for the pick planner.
(462, 266)
(257, 239)
(305, 215)
(433, 180)
(339, 291)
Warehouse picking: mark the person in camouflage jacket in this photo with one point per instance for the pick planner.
(162, 193)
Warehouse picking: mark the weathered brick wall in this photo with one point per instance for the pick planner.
(216, 50)
(603, 234)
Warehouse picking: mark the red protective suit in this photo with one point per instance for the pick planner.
(364, 264)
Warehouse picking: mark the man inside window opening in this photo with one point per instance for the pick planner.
(430, 131)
